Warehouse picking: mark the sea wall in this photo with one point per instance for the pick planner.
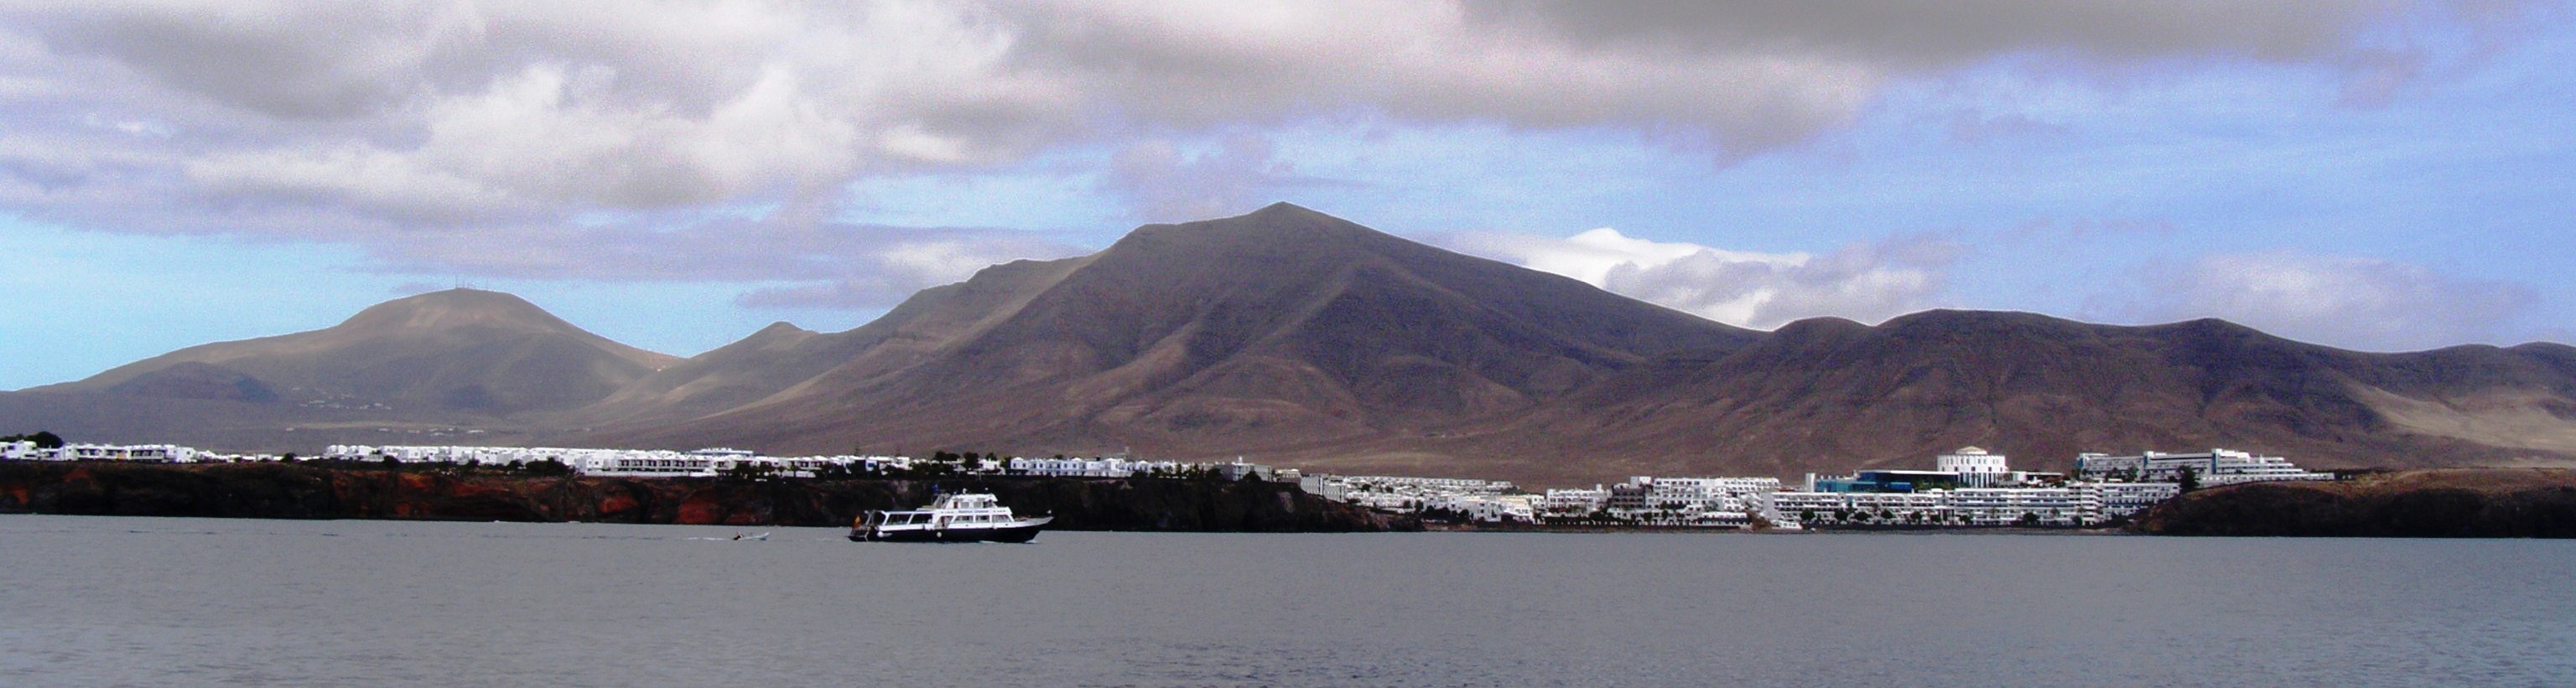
(273, 490)
(2422, 503)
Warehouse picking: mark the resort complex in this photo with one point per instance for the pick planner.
(1967, 487)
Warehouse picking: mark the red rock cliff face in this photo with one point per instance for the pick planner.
(303, 491)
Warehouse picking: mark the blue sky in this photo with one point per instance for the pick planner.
(2366, 175)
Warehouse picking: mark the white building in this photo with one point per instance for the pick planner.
(1407, 494)
(1091, 467)
(1321, 485)
(1573, 502)
(1690, 501)
(1810, 507)
(2212, 468)
(622, 463)
(1487, 508)
(2123, 500)
(2048, 506)
(1976, 467)
(2074, 504)
(139, 453)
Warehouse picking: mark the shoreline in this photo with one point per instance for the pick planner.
(1809, 530)
(307, 492)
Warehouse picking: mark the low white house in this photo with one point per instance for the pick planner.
(141, 453)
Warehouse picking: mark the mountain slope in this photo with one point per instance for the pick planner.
(1281, 327)
(783, 357)
(1292, 336)
(1831, 394)
(457, 349)
(456, 357)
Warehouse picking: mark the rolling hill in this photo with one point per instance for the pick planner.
(459, 357)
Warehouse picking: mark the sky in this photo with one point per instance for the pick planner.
(2373, 175)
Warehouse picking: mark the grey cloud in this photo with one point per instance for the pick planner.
(2353, 302)
(467, 126)
(825, 264)
(1928, 34)
(268, 58)
(1164, 183)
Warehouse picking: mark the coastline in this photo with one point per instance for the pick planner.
(363, 491)
(2434, 503)
(1809, 530)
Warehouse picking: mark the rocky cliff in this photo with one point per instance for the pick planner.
(307, 491)
(2424, 503)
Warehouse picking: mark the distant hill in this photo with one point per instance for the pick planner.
(1830, 394)
(1293, 337)
(456, 356)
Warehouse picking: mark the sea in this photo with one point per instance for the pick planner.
(107, 601)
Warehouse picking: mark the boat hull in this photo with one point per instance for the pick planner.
(1021, 531)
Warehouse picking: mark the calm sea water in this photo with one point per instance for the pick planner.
(87, 601)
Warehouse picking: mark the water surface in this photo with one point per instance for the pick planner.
(161, 601)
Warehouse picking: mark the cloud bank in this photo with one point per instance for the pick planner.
(2365, 303)
(492, 136)
(1864, 282)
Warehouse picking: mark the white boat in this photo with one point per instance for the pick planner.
(961, 517)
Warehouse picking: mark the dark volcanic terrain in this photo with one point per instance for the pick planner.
(277, 490)
(2521, 502)
(1292, 337)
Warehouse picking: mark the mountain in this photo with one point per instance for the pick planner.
(460, 356)
(1292, 337)
(1284, 328)
(1831, 394)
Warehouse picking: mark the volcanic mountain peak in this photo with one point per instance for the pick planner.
(1274, 222)
(453, 308)
(1280, 326)
(463, 349)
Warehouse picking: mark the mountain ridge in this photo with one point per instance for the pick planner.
(1092, 355)
(1290, 336)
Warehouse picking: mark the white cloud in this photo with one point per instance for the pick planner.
(1163, 182)
(2346, 301)
(887, 275)
(394, 125)
(1865, 282)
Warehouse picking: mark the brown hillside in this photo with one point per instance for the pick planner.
(453, 358)
(1293, 337)
(1284, 327)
